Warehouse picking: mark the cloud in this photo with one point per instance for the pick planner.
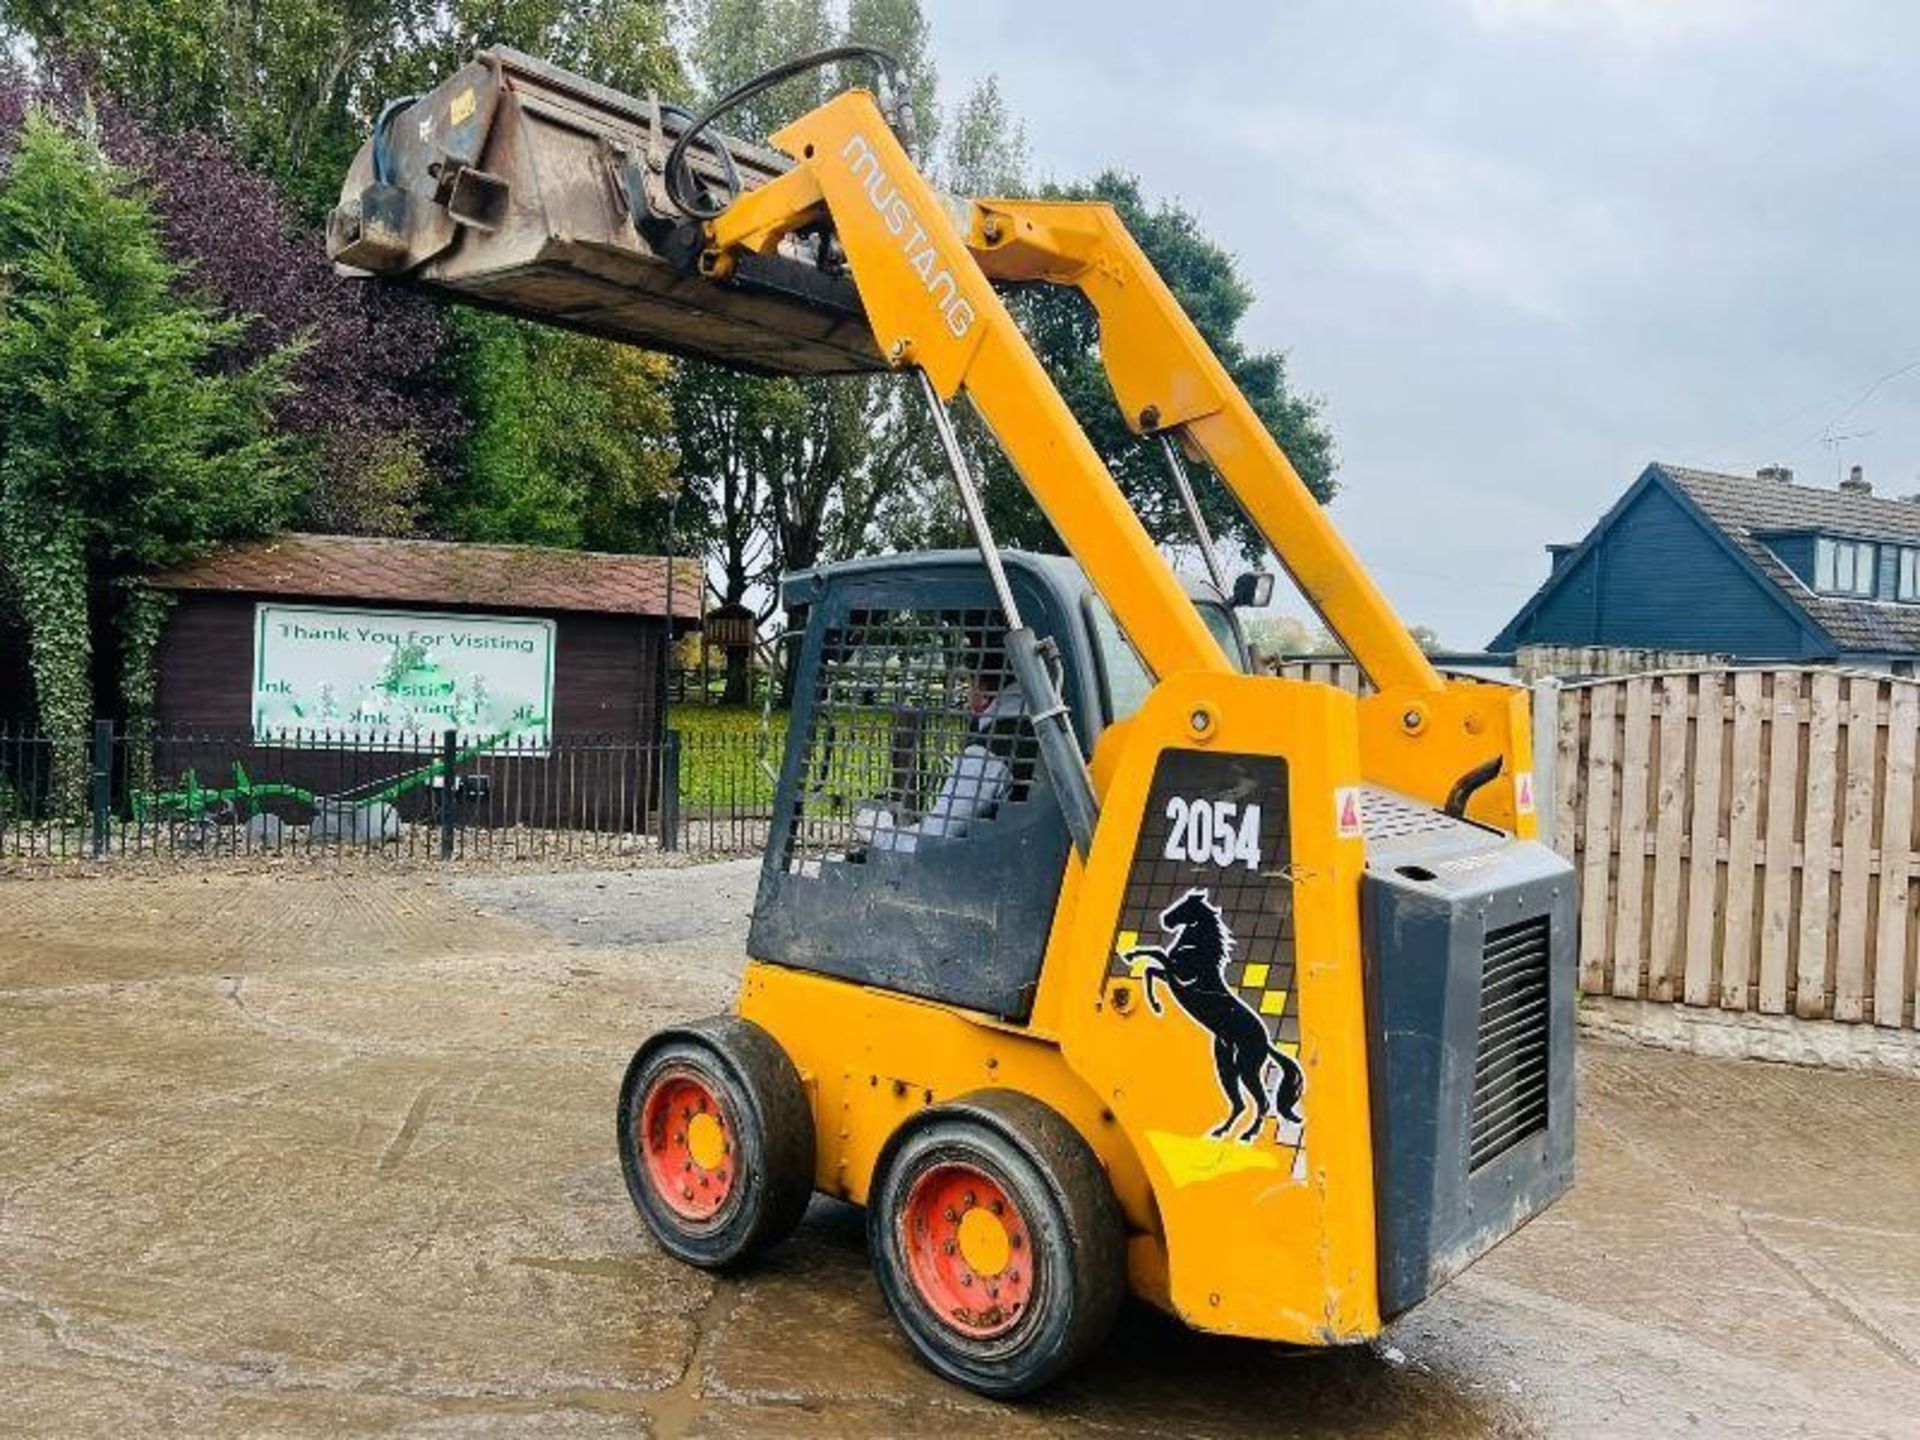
(1640, 22)
(1388, 199)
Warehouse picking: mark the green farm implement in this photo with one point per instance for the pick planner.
(207, 814)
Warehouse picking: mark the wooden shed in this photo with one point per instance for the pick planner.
(329, 661)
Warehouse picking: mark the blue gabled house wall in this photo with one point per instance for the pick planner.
(1657, 574)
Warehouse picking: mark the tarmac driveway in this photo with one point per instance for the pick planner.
(308, 1152)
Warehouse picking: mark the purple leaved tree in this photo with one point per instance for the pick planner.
(369, 394)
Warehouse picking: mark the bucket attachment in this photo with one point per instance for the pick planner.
(520, 187)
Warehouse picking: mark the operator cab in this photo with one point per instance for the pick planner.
(917, 842)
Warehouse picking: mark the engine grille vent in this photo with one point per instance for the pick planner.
(1510, 1057)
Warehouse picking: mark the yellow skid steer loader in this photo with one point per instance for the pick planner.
(1087, 961)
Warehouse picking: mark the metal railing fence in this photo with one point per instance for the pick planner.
(181, 793)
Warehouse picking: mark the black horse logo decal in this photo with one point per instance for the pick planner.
(1194, 966)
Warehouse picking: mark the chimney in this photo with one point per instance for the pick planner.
(1775, 472)
(1856, 482)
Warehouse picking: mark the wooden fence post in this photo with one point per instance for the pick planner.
(1545, 700)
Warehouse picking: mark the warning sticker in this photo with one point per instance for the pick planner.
(1346, 809)
(1523, 792)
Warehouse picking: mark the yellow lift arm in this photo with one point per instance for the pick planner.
(925, 279)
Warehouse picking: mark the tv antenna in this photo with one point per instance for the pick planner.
(1834, 439)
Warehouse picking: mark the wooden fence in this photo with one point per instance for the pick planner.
(1742, 839)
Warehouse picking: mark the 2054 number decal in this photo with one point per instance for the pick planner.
(1213, 832)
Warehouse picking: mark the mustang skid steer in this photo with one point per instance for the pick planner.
(1084, 960)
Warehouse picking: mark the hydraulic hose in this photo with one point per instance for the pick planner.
(382, 157)
(696, 200)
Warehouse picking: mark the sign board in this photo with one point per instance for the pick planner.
(401, 679)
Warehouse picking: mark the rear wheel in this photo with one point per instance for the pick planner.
(997, 1242)
(716, 1141)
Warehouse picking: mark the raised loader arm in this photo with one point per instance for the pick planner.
(1421, 734)
(932, 307)
(926, 285)
(1166, 378)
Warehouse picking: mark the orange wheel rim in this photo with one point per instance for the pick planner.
(688, 1146)
(968, 1249)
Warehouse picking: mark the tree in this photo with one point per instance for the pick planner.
(792, 474)
(124, 445)
(366, 388)
(294, 84)
(1276, 635)
(986, 145)
(571, 440)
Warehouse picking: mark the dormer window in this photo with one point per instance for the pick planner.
(1907, 582)
(1846, 567)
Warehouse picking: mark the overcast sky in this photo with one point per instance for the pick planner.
(1520, 247)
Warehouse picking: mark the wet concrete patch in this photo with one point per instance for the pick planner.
(299, 1154)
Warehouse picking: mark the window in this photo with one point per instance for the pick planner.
(1220, 623)
(1907, 584)
(1127, 679)
(1844, 567)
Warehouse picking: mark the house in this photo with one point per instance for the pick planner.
(1750, 568)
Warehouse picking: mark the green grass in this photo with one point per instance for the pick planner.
(720, 749)
(704, 721)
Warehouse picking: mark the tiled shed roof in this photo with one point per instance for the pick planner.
(1747, 507)
(441, 573)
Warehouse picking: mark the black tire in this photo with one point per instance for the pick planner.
(767, 1124)
(1071, 1231)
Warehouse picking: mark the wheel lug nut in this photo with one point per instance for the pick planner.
(997, 1208)
(951, 1213)
(950, 1247)
(968, 1200)
(966, 1279)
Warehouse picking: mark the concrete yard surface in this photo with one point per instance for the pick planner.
(312, 1152)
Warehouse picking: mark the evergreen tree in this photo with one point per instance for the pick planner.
(124, 445)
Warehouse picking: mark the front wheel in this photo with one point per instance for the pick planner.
(716, 1141)
(997, 1242)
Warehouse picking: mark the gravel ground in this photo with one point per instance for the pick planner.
(309, 1152)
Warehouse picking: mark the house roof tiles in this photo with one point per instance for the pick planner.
(1746, 508)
